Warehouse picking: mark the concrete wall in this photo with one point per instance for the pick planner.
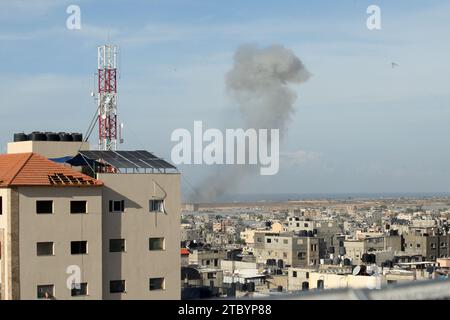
(136, 225)
(207, 257)
(335, 281)
(61, 227)
(287, 248)
(7, 237)
(49, 149)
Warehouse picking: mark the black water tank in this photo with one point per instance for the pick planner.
(20, 137)
(77, 137)
(65, 136)
(37, 136)
(52, 136)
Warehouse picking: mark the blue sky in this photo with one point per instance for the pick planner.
(359, 126)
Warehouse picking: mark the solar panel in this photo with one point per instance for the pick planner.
(139, 159)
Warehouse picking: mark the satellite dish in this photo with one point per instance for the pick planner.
(357, 270)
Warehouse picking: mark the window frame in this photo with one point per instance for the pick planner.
(123, 284)
(161, 288)
(157, 238)
(52, 211)
(86, 290)
(161, 208)
(45, 242)
(78, 201)
(111, 206)
(52, 293)
(124, 245)
(80, 241)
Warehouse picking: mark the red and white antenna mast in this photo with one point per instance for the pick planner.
(107, 97)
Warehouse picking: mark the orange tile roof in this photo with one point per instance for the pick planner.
(32, 169)
(184, 252)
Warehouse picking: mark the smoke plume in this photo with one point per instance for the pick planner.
(260, 83)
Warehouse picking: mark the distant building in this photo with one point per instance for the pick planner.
(430, 246)
(291, 250)
(207, 257)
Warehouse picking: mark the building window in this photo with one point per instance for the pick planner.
(211, 275)
(269, 240)
(44, 248)
(80, 289)
(294, 274)
(117, 286)
(1, 205)
(157, 284)
(116, 245)
(156, 244)
(46, 291)
(156, 205)
(77, 207)
(301, 255)
(285, 241)
(433, 246)
(307, 275)
(44, 206)
(78, 247)
(418, 245)
(116, 206)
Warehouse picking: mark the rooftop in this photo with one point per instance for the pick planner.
(32, 169)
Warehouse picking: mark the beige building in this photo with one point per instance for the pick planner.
(248, 235)
(292, 250)
(430, 246)
(124, 237)
(356, 248)
(50, 224)
(207, 257)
